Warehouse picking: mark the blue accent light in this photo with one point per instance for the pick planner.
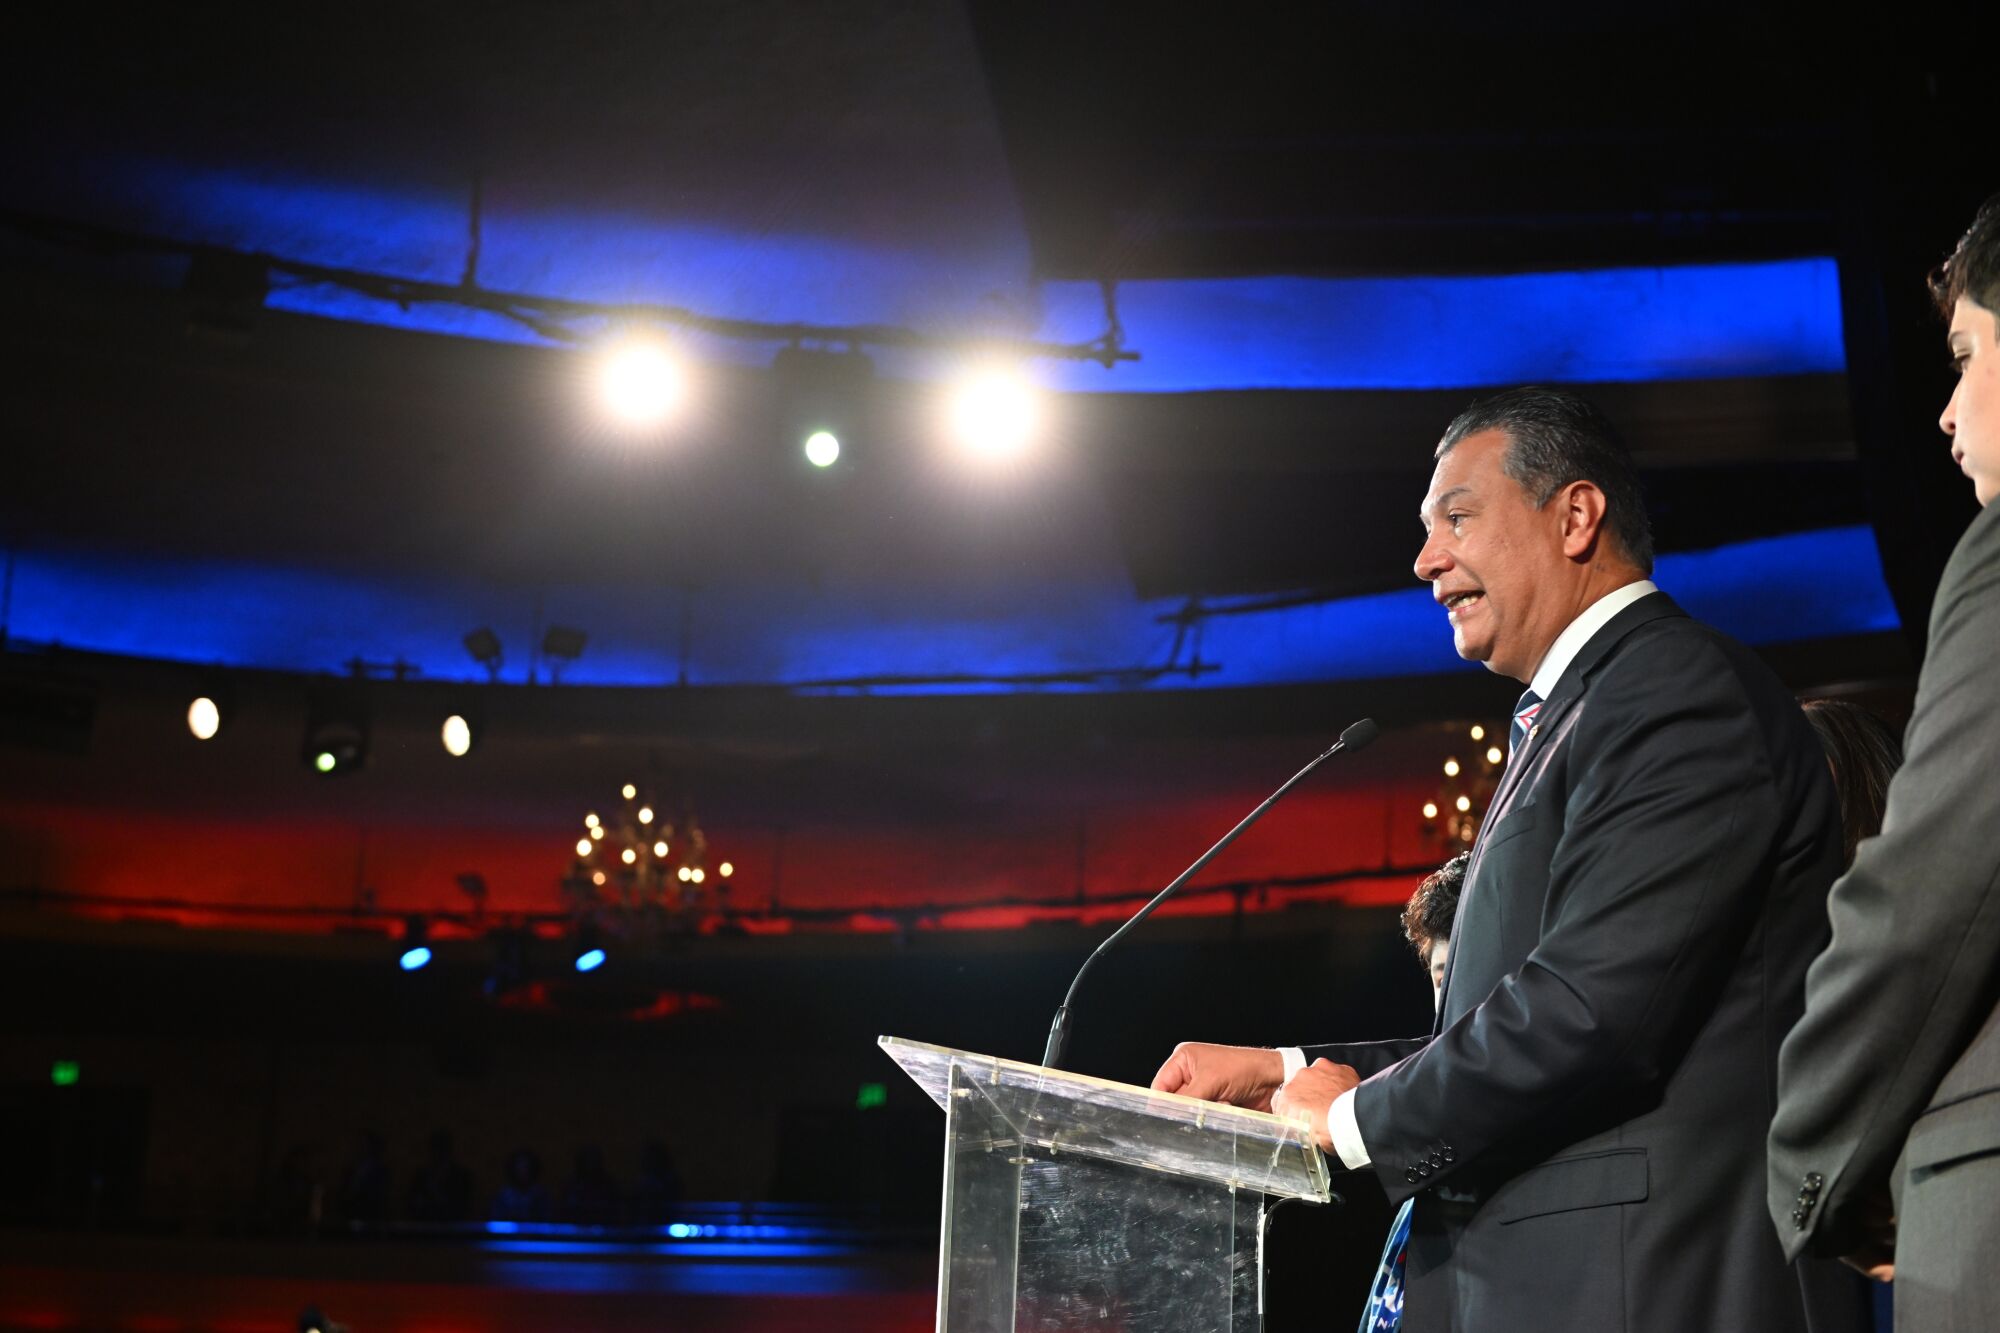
(590, 960)
(1706, 321)
(1277, 332)
(1782, 589)
(413, 959)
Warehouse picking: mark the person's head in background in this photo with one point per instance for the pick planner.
(1428, 916)
(1864, 753)
(1967, 290)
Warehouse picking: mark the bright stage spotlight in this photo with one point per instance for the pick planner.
(589, 955)
(641, 382)
(459, 735)
(822, 448)
(204, 718)
(994, 414)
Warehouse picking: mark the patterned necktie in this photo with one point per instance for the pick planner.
(1524, 721)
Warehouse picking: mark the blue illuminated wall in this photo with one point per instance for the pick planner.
(1775, 590)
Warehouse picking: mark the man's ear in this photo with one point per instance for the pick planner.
(1581, 507)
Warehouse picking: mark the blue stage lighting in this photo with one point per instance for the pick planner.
(590, 960)
(413, 959)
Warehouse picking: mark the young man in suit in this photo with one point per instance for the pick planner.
(1583, 1133)
(1897, 1059)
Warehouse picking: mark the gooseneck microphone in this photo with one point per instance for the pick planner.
(1354, 738)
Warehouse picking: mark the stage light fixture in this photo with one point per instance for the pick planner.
(725, 870)
(994, 413)
(641, 382)
(628, 791)
(484, 646)
(1430, 810)
(824, 404)
(822, 448)
(562, 646)
(336, 741)
(204, 718)
(660, 849)
(1478, 732)
(645, 814)
(589, 955)
(459, 735)
(416, 952)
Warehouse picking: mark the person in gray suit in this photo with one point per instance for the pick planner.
(1897, 1058)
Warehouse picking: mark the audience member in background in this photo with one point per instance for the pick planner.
(658, 1191)
(1427, 919)
(590, 1198)
(1428, 915)
(523, 1197)
(1864, 754)
(440, 1189)
(365, 1184)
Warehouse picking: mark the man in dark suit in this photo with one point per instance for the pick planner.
(1898, 1055)
(1583, 1132)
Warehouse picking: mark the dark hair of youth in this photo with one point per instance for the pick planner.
(1555, 437)
(1973, 270)
(1428, 915)
(1864, 754)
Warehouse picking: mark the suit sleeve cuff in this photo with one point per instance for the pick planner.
(1345, 1132)
(1295, 1060)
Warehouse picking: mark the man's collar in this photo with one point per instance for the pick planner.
(1574, 636)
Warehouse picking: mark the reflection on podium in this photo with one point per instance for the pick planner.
(1079, 1203)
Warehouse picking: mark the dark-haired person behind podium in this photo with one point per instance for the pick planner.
(1893, 1075)
(1583, 1133)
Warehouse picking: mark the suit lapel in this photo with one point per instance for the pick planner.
(1568, 689)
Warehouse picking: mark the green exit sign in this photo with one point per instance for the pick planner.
(871, 1096)
(65, 1073)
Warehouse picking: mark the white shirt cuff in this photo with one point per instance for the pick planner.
(1295, 1060)
(1345, 1132)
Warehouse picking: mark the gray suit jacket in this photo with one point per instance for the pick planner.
(1899, 1050)
(1584, 1135)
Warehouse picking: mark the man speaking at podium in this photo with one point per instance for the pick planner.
(1582, 1135)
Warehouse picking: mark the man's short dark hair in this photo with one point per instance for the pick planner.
(1555, 437)
(1973, 270)
(1428, 915)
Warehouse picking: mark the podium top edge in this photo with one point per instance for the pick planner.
(1264, 1122)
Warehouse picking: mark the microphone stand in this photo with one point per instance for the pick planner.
(1354, 738)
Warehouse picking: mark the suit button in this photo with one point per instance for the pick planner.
(1814, 1180)
(1799, 1218)
(1412, 1175)
(1437, 1159)
(1423, 1168)
(1450, 1155)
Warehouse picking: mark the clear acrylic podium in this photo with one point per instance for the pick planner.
(1078, 1203)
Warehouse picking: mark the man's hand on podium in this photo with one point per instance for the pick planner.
(1310, 1093)
(1239, 1075)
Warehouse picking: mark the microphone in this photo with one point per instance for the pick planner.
(1355, 737)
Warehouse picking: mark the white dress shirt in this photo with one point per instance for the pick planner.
(1341, 1125)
